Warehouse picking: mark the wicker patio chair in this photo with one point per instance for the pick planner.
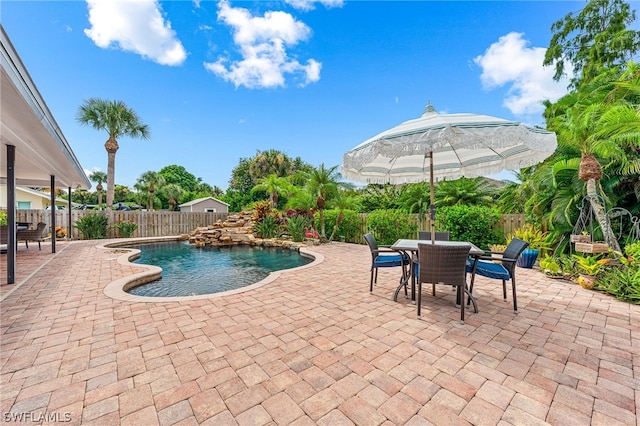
(500, 266)
(27, 235)
(441, 264)
(440, 235)
(384, 257)
(426, 235)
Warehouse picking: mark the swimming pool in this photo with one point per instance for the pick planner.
(188, 270)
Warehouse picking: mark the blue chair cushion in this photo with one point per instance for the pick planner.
(383, 261)
(489, 269)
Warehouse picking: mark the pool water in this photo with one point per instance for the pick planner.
(188, 270)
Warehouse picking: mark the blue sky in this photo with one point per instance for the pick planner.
(218, 80)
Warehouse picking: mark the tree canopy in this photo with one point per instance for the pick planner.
(595, 38)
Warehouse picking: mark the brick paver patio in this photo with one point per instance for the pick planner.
(310, 347)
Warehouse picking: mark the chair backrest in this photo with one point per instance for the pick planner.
(440, 235)
(513, 251)
(40, 228)
(443, 264)
(373, 245)
(515, 248)
(32, 234)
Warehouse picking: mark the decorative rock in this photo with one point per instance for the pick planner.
(237, 229)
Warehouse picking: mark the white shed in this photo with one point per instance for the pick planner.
(206, 204)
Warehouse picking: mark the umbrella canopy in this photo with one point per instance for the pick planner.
(438, 146)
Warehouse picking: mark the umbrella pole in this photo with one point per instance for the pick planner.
(432, 207)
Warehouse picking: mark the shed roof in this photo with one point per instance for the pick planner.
(199, 200)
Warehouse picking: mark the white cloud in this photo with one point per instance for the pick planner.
(510, 62)
(307, 5)
(136, 26)
(263, 42)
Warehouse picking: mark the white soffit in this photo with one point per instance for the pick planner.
(26, 122)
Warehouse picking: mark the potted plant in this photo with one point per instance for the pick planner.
(538, 241)
(588, 268)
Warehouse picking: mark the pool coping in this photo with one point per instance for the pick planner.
(117, 289)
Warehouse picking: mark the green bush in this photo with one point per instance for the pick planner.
(632, 251)
(93, 226)
(350, 227)
(475, 224)
(296, 227)
(623, 281)
(389, 225)
(269, 227)
(126, 228)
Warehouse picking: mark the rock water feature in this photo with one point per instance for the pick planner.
(237, 229)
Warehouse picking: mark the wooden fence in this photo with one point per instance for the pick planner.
(150, 223)
(165, 223)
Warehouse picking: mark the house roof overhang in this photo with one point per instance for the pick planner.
(41, 148)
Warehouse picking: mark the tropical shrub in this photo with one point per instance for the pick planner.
(126, 228)
(532, 234)
(297, 226)
(269, 227)
(261, 209)
(350, 227)
(390, 225)
(93, 226)
(551, 266)
(590, 264)
(475, 224)
(3, 217)
(623, 282)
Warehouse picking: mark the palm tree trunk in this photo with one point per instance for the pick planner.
(601, 217)
(112, 147)
(152, 190)
(323, 235)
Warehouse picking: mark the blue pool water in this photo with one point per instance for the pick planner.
(188, 270)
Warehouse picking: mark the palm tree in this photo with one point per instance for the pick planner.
(323, 184)
(173, 192)
(476, 191)
(270, 162)
(99, 178)
(581, 120)
(275, 186)
(415, 198)
(302, 199)
(151, 181)
(118, 120)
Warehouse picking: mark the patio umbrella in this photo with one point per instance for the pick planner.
(446, 146)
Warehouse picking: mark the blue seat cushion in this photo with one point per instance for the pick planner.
(383, 261)
(489, 269)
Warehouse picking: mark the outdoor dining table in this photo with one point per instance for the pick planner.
(410, 247)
